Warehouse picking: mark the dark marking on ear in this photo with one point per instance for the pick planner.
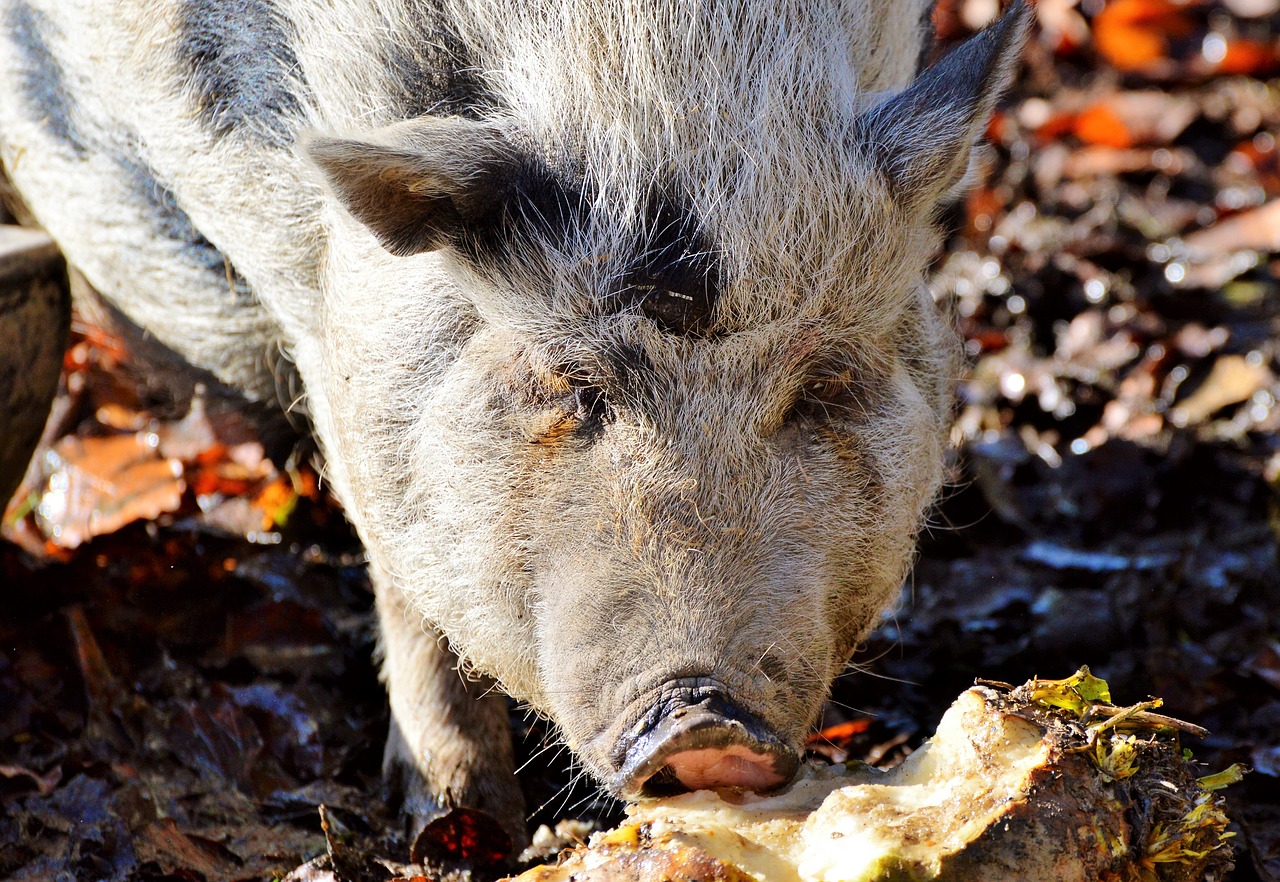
(169, 221)
(243, 67)
(673, 278)
(43, 83)
(449, 182)
(422, 184)
(531, 207)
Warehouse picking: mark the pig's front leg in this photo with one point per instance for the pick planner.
(449, 756)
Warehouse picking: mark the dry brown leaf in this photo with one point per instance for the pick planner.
(164, 843)
(1093, 162)
(1232, 380)
(1149, 117)
(1255, 230)
(98, 485)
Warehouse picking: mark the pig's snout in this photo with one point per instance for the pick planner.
(697, 738)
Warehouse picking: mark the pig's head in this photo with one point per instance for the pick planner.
(650, 436)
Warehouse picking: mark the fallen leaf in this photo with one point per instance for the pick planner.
(1148, 117)
(841, 733)
(1133, 35)
(176, 852)
(101, 687)
(349, 852)
(1255, 230)
(44, 784)
(1248, 58)
(189, 437)
(218, 739)
(835, 742)
(462, 837)
(98, 485)
(1232, 379)
(276, 500)
(1265, 664)
(1102, 125)
(1089, 162)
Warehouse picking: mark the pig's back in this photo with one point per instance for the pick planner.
(155, 141)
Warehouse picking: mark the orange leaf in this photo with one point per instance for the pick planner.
(277, 501)
(841, 733)
(110, 347)
(305, 483)
(1249, 58)
(1056, 127)
(1130, 49)
(1102, 126)
(98, 485)
(1169, 16)
(1133, 34)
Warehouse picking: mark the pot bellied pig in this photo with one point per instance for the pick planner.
(609, 316)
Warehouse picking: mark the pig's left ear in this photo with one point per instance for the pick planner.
(418, 185)
(923, 138)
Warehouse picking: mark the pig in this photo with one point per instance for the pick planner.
(609, 320)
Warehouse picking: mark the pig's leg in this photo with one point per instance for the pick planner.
(449, 746)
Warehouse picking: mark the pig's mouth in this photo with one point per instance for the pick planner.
(697, 738)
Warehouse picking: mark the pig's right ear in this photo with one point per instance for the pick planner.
(418, 185)
(922, 139)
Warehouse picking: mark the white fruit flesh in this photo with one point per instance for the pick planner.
(838, 825)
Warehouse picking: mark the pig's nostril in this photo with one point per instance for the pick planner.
(709, 743)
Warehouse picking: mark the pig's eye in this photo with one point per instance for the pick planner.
(590, 407)
(585, 406)
(576, 416)
(826, 397)
(576, 394)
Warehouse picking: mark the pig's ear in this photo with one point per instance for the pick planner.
(418, 185)
(923, 138)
